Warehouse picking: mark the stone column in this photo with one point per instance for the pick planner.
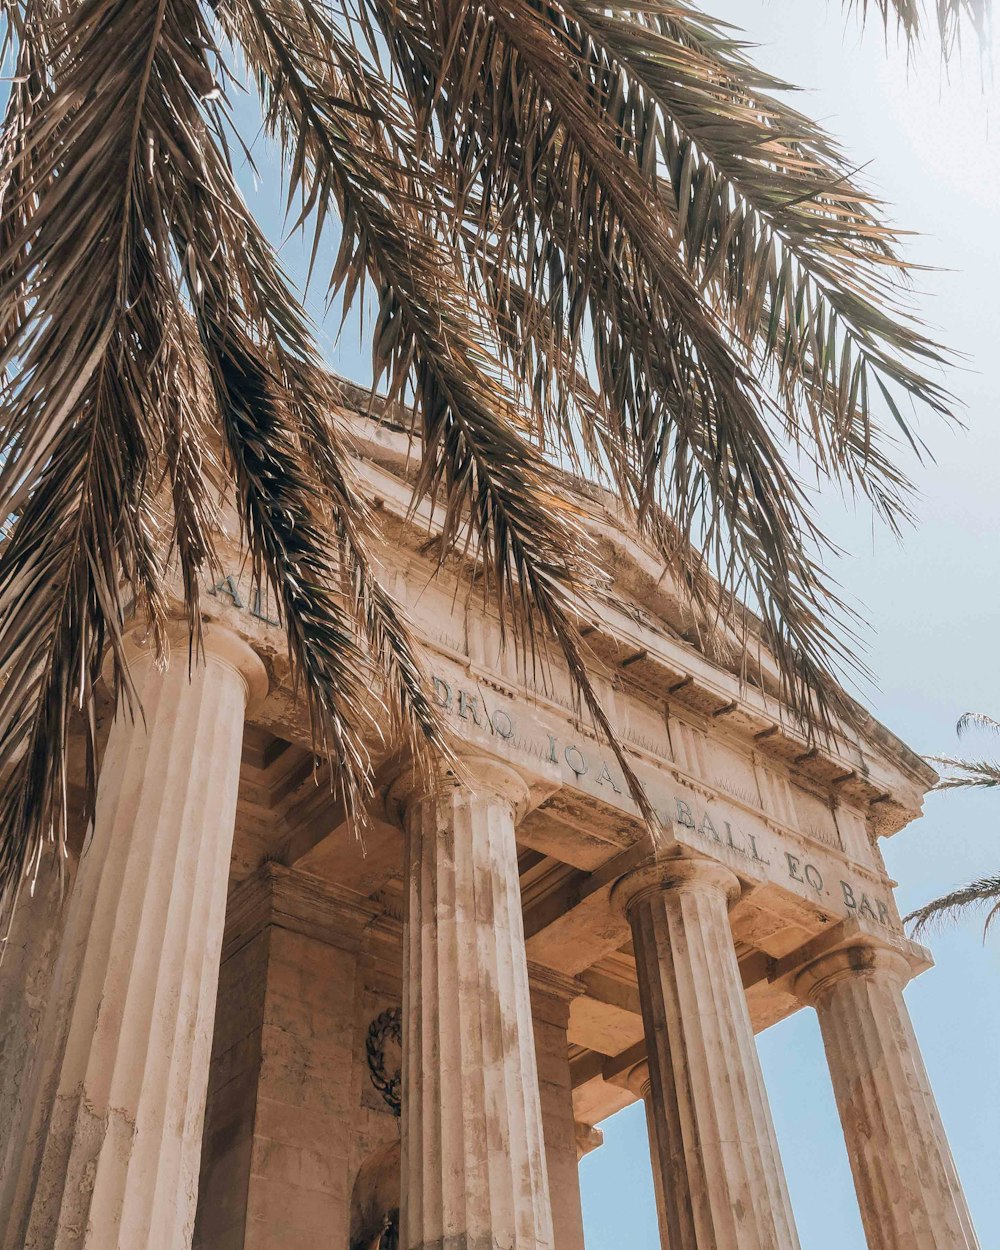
(473, 1154)
(640, 1082)
(908, 1189)
(551, 994)
(713, 1140)
(136, 978)
(28, 952)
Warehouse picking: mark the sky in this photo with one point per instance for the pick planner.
(932, 603)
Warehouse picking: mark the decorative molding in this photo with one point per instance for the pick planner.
(588, 1137)
(387, 1026)
(291, 899)
(555, 984)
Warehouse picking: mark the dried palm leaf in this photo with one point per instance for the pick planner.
(596, 237)
(980, 893)
(976, 720)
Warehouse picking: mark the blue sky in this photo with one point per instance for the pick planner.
(933, 604)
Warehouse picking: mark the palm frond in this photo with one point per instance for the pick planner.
(689, 427)
(81, 407)
(951, 17)
(772, 224)
(120, 217)
(976, 720)
(980, 893)
(596, 236)
(494, 490)
(975, 773)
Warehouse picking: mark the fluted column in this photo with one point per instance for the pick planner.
(640, 1082)
(551, 995)
(30, 945)
(908, 1189)
(473, 1156)
(713, 1140)
(137, 973)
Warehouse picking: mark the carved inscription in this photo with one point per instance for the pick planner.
(582, 764)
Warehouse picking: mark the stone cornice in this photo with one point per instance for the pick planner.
(298, 901)
(881, 776)
(559, 985)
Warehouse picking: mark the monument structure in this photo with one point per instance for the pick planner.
(234, 1027)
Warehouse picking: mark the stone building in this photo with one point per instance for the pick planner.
(238, 1029)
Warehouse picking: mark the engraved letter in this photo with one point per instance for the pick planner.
(583, 763)
(708, 830)
(684, 814)
(605, 773)
(813, 878)
(228, 587)
(756, 853)
(468, 703)
(258, 608)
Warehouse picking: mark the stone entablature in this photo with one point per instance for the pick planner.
(650, 669)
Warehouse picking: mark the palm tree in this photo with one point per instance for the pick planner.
(595, 235)
(986, 890)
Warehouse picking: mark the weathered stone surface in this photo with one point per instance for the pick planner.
(300, 1148)
(713, 1140)
(26, 969)
(551, 995)
(136, 978)
(473, 1162)
(907, 1185)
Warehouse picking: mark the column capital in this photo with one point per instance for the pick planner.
(479, 775)
(661, 875)
(219, 644)
(638, 1080)
(869, 960)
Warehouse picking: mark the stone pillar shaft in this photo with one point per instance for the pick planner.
(137, 972)
(713, 1139)
(640, 1083)
(473, 1156)
(551, 995)
(27, 962)
(908, 1189)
